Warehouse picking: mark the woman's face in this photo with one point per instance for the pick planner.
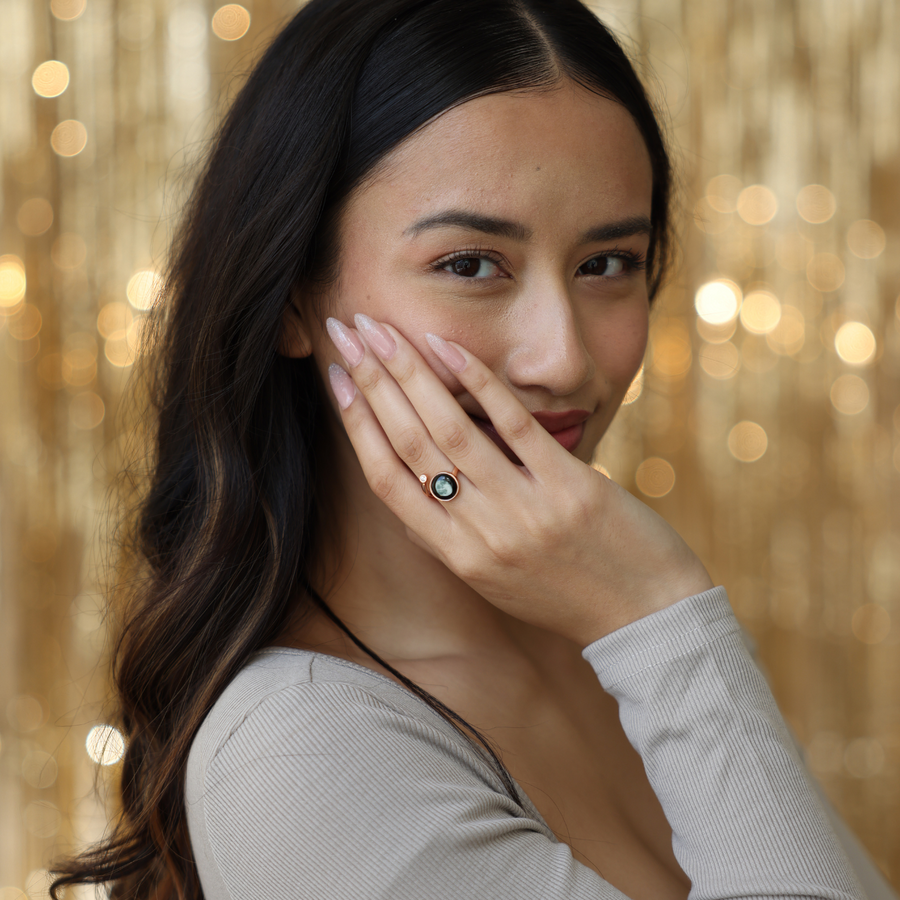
(516, 225)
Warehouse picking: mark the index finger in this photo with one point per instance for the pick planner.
(524, 435)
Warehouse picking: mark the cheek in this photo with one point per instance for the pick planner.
(619, 346)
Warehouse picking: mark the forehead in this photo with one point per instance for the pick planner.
(518, 154)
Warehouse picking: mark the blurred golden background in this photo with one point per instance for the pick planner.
(765, 424)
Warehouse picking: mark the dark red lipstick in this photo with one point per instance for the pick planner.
(566, 427)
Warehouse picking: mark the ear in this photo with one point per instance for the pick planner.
(295, 339)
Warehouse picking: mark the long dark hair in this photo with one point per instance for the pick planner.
(226, 531)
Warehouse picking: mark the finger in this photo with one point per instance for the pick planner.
(525, 436)
(390, 480)
(450, 428)
(399, 420)
(453, 430)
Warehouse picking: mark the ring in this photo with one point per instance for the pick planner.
(444, 486)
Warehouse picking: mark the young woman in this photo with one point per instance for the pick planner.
(410, 293)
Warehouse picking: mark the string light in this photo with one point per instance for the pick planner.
(144, 288)
(816, 204)
(231, 22)
(717, 302)
(655, 477)
(757, 204)
(760, 312)
(69, 138)
(866, 239)
(50, 79)
(105, 745)
(855, 343)
(849, 395)
(35, 217)
(67, 10)
(747, 441)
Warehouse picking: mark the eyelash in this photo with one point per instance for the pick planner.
(634, 261)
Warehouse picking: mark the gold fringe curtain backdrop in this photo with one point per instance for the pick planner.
(765, 424)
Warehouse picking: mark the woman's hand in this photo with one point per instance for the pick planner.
(554, 543)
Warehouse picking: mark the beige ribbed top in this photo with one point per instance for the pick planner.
(313, 777)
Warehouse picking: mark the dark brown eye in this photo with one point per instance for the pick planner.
(467, 267)
(472, 267)
(603, 265)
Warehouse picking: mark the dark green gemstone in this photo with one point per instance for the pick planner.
(444, 486)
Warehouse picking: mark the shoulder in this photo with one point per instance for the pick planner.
(295, 700)
(306, 756)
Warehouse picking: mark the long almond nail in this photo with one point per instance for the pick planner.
(447, 353)
(342, 385)
(346, 341)
(376, 337)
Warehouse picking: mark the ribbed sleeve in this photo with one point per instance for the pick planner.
(316, 778)
(717, 752)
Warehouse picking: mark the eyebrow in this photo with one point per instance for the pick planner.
(459, 218)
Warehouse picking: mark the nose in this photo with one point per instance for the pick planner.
(547, 349)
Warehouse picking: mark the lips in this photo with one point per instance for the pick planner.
(566, 427)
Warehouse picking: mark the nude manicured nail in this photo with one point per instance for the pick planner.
(447, 353)
(342, 385)
(350, 346)
(376, 337)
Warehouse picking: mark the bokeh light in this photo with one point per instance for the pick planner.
(25, 324)
(144, 288)
(864, 757)
(855, 343)
(39, 769)
(816, 204)
(671, 346)
(113, 317)
(722, 193)
(825, 272)
(67, 10)
(231, 22)
(105, 745)
(86, 410)
(720, 361)
(866, 239)
(655, 477)
(69, 138)
(717, 302)
(35, 216)
(635, 388)
(849, 394)
(789, 335)
(747, 441)
(12, 282)
(760, 312)
(716, 334)
(757, 204)
(79, 359)
(50, 78)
